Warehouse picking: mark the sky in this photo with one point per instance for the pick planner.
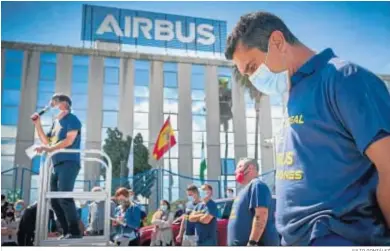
(357, 31)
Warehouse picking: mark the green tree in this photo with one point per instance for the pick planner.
(117, 148)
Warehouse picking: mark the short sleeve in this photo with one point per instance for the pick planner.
(363, 106)
(260, 196)
(213, 210)
(74, 124)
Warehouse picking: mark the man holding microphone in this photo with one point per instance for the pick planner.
(64, 134)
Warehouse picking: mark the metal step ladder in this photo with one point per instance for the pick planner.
(45, 195)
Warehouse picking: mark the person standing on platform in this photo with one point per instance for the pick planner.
(64, 134)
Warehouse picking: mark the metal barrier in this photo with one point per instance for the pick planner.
(44, 196)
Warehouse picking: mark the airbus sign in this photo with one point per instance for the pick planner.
(152, 29)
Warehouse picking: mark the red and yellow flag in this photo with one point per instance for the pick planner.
(165, 140)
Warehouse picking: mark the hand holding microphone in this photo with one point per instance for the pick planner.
(36, 116)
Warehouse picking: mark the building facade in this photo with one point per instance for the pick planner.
(134, 92)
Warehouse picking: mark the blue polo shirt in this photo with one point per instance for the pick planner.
(207, 233)
(58, 132)
(325, 183)
(189, 226)
(255, 194)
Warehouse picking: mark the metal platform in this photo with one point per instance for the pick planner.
(44, 196)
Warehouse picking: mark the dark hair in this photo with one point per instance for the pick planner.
(166, 202)
(2, 197)
(122, 191)
(192, 188)
(208, 186)
(230, 190)
(254, 30)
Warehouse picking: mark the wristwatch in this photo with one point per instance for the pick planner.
(252, 243)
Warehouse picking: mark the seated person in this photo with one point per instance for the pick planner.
(127, 220)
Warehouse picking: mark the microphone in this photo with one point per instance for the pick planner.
(40, 113)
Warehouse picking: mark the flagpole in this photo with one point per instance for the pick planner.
(169, 161)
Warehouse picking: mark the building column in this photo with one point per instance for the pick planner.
(94, 116)
(126, 97)
(25, 129)
(213, 127)
(265, 121)
(239, 124)
(184, 125)
(156, 120)
(64, 74)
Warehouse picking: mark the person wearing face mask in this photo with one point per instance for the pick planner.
(186, 234)
(230, 193)
(180, 210)
(9, 227)
(64, 134)
(19, 209)
(333, 161)
(252, 221)
(205, 218)
(162, 220)
(95, 216)
(127, 220)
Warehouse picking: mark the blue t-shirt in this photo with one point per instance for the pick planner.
(207, 233)
(132, 218)
(255, 194)
(325, 184)
(58, 132)
(189, 226)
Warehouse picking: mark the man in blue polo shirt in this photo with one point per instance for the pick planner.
(205, 218)
(186, 234)
(333, 161)
(64, 134)
(252, 221)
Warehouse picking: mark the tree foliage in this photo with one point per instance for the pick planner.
(117, 148)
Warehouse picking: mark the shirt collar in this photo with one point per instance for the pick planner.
(313, 64)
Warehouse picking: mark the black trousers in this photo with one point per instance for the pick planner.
(133, 243)
(10, 244)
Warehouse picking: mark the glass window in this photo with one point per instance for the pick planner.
(142, 91)
(170, 79)
(251, 138)
(80, 101)
(110, 119)
(111, 75)
(197, 150)
(141, 104)
(230, 164)
(8, 146)
(250, 125)
(113, 62)
(174, 150)
(171, 106)
(13, 68)
(230, 150)
(144, 134)
(110, 90)
(7, 162)
(141, 78)
(199, 107)
(230, 126)
(13, 54)
(46, 86)
(174, 164)
(198, 136)
(197, 68)
(142, 64)
(110, 103)
(173, 120)
(80, 88)
(10, 97)
(170, 66)
(197, 81)
(44, 98)
(171, 93)
(198, 95)
(80, 60)
(8, 131)
(9, 115)
(104, 135)
(277, 111)
(48, 57)
(47, 71)
(141, 120)
(199, 123)
(12, 83)
(80, 73)
(222, 137)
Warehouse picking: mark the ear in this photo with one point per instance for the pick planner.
(278, 41)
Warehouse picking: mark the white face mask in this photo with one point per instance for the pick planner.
(230, 195)
(268, 82)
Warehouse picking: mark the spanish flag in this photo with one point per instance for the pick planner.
(165, 140)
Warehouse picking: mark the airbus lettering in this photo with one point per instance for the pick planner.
(164, 30)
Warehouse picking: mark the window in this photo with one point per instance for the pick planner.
(10, 102)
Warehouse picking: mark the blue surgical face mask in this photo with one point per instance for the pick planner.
(55, 110)
(164, 208)
(190, 198)
(268, 82)
(19, 207)
(202, 194)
